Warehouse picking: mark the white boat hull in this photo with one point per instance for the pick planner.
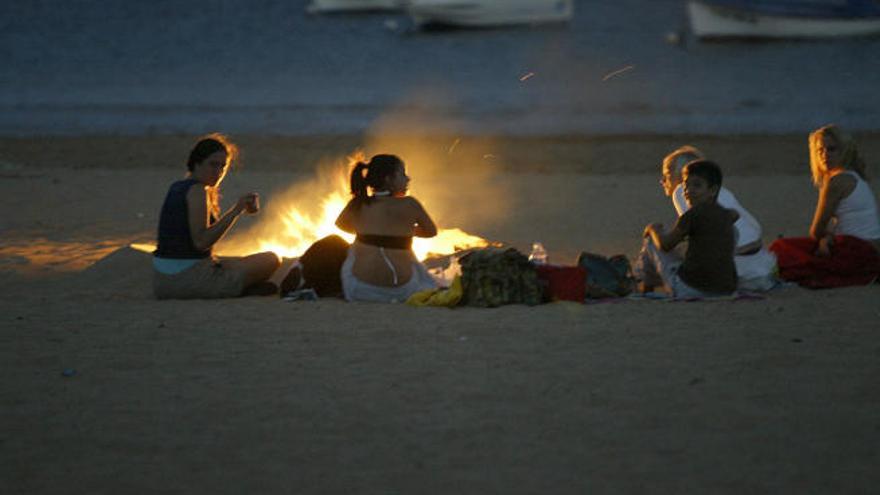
(326, 6)
(712, 21)
(489, 13)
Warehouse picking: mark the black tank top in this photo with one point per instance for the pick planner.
(386, 241)
(174, 239)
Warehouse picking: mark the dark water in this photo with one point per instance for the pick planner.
(164, 66)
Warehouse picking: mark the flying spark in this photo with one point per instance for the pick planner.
(618, 72)
(454, 144)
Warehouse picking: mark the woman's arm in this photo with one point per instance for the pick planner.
(424, 226)
(832, 192)
(346, 220)
(204, 236)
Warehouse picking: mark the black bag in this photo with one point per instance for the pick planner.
(319, 268)
(607, 277)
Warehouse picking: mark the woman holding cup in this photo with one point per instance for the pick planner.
(191, 222)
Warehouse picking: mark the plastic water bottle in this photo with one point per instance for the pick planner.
(539, 254)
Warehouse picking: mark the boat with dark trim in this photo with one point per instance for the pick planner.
(489, 13)
(784, 18)
(330, 6)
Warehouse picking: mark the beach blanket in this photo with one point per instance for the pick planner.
(853, 261)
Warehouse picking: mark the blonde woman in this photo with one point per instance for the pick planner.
(191, 222)
(844, 243)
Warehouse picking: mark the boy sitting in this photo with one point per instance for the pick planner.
(708, 268)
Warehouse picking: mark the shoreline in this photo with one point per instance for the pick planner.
(745, 154)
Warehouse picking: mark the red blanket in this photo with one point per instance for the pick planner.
(853, 261)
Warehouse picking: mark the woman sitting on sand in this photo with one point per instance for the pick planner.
(844, 244)
(755, 266)
(381, 266)
(191, 223)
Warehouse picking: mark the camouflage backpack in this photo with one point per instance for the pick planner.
(495, 276)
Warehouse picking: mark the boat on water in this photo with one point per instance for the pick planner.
(328, 6)
(784, 18)
(489, 13)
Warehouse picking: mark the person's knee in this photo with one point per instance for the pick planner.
(260, 266)
(269, 260)
(276, 260)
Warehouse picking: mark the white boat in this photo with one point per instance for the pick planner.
(489, 13)
(327, 6)
(784, 18)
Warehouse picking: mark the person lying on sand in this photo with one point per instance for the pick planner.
(844, 243)
(381, 266)
(191, 222)
(708, 268)
(755, 265)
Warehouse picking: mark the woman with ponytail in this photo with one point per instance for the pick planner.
(844, 243)
(191, 222)
(381, 266)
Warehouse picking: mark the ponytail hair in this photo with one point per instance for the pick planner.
(378, 170)
(358, 181)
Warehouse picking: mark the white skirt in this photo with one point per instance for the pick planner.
(356, 290)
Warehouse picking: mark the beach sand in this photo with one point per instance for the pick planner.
(255, 395)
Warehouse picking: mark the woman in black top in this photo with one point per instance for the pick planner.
(191, 222)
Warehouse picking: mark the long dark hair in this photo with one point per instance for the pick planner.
(205, 147)
(209, 145)
(378, 170)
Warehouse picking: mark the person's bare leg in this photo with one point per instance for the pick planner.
(256, 267)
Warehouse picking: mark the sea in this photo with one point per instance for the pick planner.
(86, 67)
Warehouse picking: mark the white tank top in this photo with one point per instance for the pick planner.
(857, 213)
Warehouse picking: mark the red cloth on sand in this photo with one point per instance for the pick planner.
(853, 261)
(563, 283)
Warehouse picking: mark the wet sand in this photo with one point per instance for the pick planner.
(774, 395)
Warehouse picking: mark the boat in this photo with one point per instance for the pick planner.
(488, 13)
(329, 6)
(784, 18)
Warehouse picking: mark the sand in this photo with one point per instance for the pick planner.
(254, 395)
